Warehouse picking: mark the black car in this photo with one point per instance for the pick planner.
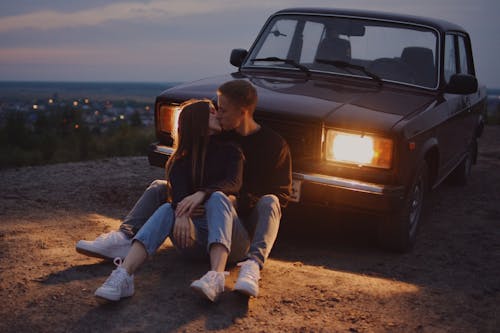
(377, 109)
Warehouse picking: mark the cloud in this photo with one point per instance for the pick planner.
(152, 11)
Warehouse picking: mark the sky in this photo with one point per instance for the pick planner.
(183, 40)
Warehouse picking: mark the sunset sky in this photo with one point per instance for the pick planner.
(180, 40)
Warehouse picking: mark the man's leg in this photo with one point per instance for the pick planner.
(117, 243)
(264, 222)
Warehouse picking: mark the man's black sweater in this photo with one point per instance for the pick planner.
(267, 170)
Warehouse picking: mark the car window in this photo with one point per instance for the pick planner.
(450, 57)
(464, 56)
(279, 39)
(393, 51)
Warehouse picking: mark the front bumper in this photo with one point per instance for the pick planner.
(324, 190)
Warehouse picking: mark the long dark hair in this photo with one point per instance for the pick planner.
(192, 138)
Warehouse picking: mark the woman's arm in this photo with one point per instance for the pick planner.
(231, 163)
(187, 205)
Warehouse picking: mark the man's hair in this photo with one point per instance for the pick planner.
(240, 92)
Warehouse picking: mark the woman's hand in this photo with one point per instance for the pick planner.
(187, 205)
(184, 233)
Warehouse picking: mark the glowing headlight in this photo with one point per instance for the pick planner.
(358, 149)
(168, 118)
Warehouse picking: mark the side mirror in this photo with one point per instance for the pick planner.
(237, 57)
(462, 84)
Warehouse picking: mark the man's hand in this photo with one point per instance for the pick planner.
(187, 205)
(184, 232)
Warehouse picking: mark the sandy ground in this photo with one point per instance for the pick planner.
(332, 278)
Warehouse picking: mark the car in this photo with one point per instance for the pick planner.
(377, 108)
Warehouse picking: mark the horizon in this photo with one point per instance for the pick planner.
(130, 82)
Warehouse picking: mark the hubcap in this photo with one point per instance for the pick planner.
(416, 205)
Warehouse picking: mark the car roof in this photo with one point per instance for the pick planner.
(427, 21)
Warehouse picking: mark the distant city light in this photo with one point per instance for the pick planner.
(51, 101)
(122, 117)
(77, 126)
(75, 103)
(147, 108)
(86, 101)
(96, 112)
(35, 106)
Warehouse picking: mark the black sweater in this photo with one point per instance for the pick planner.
(268, 167)
(223, 172)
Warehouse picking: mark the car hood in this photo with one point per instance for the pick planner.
(355, 104)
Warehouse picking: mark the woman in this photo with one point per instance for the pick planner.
(199, 171)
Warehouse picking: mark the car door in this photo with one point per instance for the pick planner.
(451, 135)
(466, 66)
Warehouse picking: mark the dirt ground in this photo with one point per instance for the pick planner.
(332, 278)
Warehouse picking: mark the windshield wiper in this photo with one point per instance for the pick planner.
(344, 64)
(286, 61)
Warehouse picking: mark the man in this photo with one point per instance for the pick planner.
(265, 190)
(266, 177)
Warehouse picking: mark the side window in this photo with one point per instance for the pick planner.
(450, 64)
(464, 56)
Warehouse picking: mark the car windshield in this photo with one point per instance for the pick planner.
(374, 49)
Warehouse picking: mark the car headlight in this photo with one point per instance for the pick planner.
(362, 150)
(168, 118)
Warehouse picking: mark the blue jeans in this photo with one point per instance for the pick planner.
(262, 225)
(152, 198)
(219, 225)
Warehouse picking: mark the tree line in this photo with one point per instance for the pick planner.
(60, 134)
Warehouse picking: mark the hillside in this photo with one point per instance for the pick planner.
(328, 277)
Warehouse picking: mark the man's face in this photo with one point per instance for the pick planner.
(229, 115)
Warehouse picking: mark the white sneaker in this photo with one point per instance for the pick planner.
(118, 285)
(211, 285)
(248, 279)
(114, 244)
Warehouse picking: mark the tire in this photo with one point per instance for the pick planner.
(398, 231)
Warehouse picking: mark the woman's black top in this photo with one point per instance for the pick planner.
(223, 172)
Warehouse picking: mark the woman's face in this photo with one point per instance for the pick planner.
(213, 122)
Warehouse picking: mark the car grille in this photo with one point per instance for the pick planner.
(304, 138)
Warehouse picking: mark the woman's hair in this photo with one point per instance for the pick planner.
(192, 138)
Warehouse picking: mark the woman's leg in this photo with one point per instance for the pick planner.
(135, 258)
(225, 229)
(220, 219)
(218, 257)
(149, 238)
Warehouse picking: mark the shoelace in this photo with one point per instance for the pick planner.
(106, 236)
(117, 276)
(248, 271)
(212, 276)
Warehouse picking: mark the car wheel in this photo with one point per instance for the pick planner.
(398, 231)
(461, 174)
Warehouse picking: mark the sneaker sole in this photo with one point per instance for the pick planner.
(245, 292)
(91, 253)
(112, 299)
(199, 291)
